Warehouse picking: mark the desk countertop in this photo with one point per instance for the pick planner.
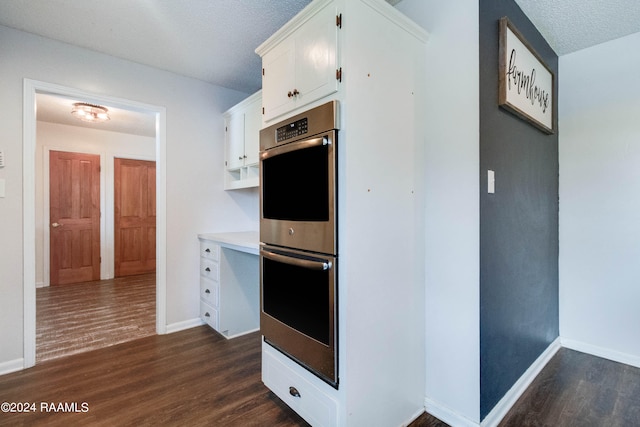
(244, 241)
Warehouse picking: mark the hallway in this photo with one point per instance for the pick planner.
(86, 316)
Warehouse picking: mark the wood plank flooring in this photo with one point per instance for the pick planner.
(190, 378)
(198, 378)
(577, 389)
(574, 389)
(85, 316)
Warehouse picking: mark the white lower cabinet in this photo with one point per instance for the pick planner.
(310, 401)
(229, 285)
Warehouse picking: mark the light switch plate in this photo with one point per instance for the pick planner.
(491, 182)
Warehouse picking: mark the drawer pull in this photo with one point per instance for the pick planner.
(207, 269)
(207, 250)
(294, 392)
(207, 291)
(207, 314)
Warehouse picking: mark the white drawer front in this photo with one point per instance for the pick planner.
(209, 250)
(311, 403)
(210, 269)
(209, 315)
(210, 292)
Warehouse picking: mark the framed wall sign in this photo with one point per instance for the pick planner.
(526, 83)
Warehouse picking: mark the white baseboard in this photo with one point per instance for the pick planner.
(241, 333)
(185, 324)
(447, 415)
(11, 366)
(504, 405)
(605, 353)
(40, 285)
(413, 417)
(508, 400)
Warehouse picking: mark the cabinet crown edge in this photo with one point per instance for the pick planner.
(381, 6)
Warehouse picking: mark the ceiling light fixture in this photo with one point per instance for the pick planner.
(90, 112)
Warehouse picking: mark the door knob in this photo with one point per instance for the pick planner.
(56, 225)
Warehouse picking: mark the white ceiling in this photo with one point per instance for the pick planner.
(571, 25)
(214, 40)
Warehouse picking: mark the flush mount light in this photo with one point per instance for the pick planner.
(89, 112)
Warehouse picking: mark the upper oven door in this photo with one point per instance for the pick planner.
(298, 194)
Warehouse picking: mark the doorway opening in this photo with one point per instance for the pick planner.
(158, 278)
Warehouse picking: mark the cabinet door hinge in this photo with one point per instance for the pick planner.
(339, 74)
(263, 111)
(263, 71)
(339, 20)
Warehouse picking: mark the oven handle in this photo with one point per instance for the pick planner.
(304, 263)
(307, 143)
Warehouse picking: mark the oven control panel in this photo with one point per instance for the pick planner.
(292, 130)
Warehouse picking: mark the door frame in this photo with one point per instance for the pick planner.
(30, 88)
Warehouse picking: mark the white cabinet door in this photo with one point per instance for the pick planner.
(235, 141)
(252, 125)
(302, 68)
(316, 56)
(278, 80)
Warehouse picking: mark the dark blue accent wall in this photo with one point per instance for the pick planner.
(518, 224)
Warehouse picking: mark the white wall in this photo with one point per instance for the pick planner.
(196, 201)
(599, 115)
(51, 136)
(452, 205)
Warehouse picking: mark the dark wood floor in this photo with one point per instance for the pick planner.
(190, 378)
(198, 378)
(576, 389)
(80, 317)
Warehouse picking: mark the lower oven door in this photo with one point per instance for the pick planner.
(298, 308)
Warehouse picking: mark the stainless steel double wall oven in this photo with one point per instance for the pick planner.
(298, 238)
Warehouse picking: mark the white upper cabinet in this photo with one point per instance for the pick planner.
(242, 143)
(303, 66)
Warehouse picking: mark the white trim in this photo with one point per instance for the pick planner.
(29, 222)
(11, 366)
(185, 324)
(509, 399)
(28, 195)
(449, 416)
(241, 333)
(498, 412)
(605, 353)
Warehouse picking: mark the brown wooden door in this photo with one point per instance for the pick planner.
(134, 217)
(74, 211)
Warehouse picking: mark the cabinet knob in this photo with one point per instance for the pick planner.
(207, 269)
(289, 94)
(295, 92)
(207, 250)
(207, 314)
(207, 291)
(294, 392)
(244, 157)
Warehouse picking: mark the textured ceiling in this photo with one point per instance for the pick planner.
(571, 25)
(214, 40)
